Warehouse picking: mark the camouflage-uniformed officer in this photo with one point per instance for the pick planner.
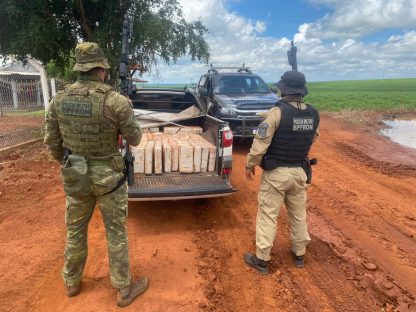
(83, 121)
(282, 142)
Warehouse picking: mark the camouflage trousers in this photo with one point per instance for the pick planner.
(113, 208)
(278, 186)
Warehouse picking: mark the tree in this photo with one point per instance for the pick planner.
(48, 30)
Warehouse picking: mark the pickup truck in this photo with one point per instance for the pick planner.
(236, 95)
(159, 108)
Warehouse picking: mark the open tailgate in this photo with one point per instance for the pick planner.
(168, 187)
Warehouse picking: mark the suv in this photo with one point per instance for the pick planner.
(236, 95)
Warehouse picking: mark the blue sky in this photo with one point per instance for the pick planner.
(282, 18)
(336, 39)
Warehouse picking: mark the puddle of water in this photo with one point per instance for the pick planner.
(401, 131)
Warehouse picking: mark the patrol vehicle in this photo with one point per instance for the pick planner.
(236, 95)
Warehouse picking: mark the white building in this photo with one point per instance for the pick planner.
(23, 87)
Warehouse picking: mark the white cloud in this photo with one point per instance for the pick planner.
(235, 39)
(348, 43)
(356, 18)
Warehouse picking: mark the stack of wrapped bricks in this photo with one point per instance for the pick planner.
(176, 149)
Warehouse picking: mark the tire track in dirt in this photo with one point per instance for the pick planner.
(370, 202)
(320, 287)
(229, 284)
(363, 242)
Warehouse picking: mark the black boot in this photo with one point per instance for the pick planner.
(299, 262)
(260, 265)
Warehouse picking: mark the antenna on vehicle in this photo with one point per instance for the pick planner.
(244, 69)
(212, 69)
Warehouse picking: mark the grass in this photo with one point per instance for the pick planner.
(37, 113)
(388, 94)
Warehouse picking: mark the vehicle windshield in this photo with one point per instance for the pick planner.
(239, 84)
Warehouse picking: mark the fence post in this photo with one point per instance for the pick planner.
(1, 104)
(53, 87)
(14, 92)
(43, 80)
(38, 94)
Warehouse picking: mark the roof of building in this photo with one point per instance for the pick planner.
(19, 68)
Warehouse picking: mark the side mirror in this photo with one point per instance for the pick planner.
(203, 91)
(274, 89)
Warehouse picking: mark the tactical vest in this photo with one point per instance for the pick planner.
(293, 138)
(81, 120)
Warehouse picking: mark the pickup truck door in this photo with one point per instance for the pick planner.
(204, 91)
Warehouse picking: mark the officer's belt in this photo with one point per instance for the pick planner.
(289, 165)
(98, 160)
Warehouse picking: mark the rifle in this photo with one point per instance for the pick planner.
(126, 84)
(291, 56)
(126, 88)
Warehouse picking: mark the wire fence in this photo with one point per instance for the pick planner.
(22, 108)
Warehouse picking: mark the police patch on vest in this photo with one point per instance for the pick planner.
(76, 108)
(262, 130)
(303, 124)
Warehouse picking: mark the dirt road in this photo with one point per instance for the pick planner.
(361, 215)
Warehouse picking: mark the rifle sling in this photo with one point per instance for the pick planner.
(115, 188)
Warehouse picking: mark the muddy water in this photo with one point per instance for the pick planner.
(401, 131)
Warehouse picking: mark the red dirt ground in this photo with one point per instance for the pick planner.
(362, 220)
(19, 129)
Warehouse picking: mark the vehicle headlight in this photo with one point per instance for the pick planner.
(228, 111)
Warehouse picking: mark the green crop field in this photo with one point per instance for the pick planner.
(387, 94)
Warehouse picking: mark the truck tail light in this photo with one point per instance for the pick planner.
(227, 138)
(226, 171)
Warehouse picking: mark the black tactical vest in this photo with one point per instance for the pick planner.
(293, 138)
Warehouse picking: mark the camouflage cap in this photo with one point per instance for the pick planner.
(292, 82)
(89, 55)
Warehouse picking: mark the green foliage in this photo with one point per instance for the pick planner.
(49, 30)
(64, 73)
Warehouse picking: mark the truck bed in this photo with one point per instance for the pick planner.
(163, 107)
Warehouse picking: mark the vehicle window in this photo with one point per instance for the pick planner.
(202, 82)
(239, 84)
(249, 83)
(163, 102)
(208, 84)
